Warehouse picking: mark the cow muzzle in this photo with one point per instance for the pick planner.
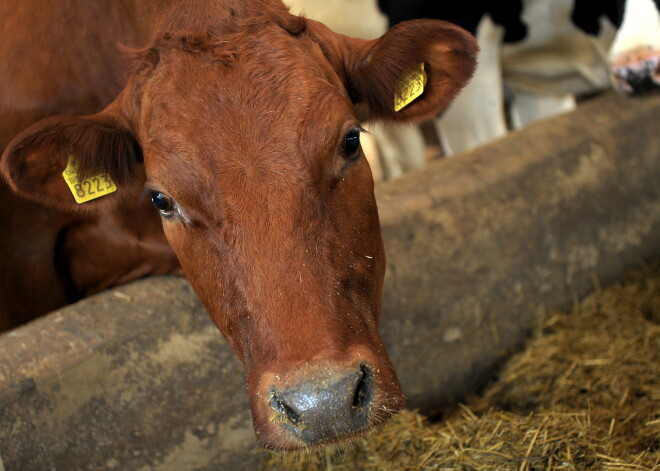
(331, 405)
(318, 405)
(637, 72)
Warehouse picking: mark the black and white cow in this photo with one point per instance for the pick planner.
(634, 55)
(536, 57)
(543, 53)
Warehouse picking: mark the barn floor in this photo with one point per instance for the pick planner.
(583, 395)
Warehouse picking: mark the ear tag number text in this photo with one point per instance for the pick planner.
(410, 88)
(89, 188)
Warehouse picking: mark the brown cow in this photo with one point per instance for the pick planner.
(237, 120)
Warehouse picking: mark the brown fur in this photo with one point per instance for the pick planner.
(236, 112)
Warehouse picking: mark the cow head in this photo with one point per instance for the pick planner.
(243, 133)
(634, 55)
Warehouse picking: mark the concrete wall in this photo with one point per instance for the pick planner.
(482, 245)
(479, 248)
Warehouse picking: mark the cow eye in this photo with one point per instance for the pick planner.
(350, 148)
(163, 203)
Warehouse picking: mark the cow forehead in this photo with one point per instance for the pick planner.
(274, 86)
(248, 91)
(239, 119)
(266, 60)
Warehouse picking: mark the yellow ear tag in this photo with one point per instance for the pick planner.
(411, 87)
(91, 187)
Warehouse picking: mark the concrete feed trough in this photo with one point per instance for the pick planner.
(479, 247)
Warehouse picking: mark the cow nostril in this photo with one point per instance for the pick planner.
(286, 412)
(363, 388)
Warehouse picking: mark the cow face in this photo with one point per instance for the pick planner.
(634, 53)
(245, 138)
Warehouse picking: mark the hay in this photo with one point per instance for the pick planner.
(584, 395)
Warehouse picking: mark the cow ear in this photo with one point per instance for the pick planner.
(99, 153)
(422, 64)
